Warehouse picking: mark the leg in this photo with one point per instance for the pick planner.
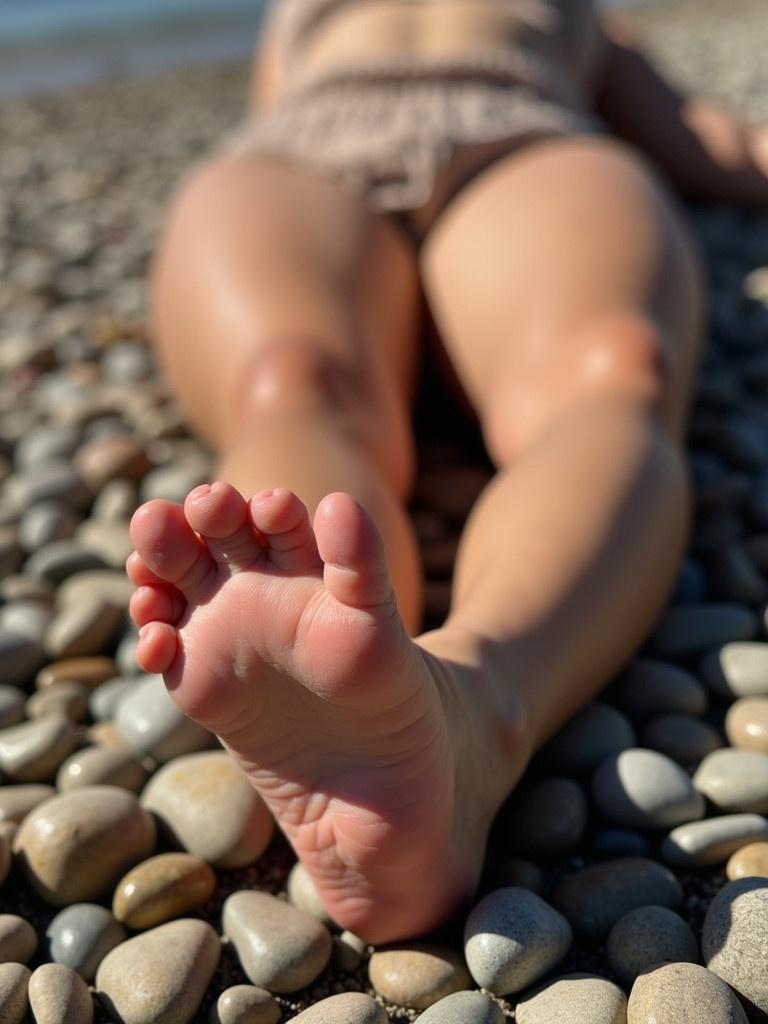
(286, 316)
(578, 344)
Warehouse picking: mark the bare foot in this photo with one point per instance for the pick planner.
(285, 640)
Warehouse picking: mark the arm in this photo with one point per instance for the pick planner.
(702, 147)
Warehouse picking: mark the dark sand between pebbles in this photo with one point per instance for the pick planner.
(84, 179)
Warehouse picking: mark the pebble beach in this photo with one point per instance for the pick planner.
(142, 880)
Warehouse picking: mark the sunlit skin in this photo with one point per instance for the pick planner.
(283, 602)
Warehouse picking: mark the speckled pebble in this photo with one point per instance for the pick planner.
(750, 861)
(685, 630)
(511, 938)
(548, 819)
(100, 766)
(574, 999)
(644, 789)
(737, 670)
(594, 733)
(594, 898)
(463, 1008)
(347, 1008)
(150, 723)
(81, 935)
(18, 939)
(210, 808)
(160, 975)
(417, 975)
(245, 1004)
(161, 888)
(32, 751)
(58, 995)
(280, 948)
(76, 845)
(682, 994)
(712, 841)
(734, 938)
(683, 738)
(14, 982)
(303, 894)
(647, 936)
(746, 724)
(734, 780)
(649, 687)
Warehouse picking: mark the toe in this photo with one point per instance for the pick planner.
(168, 548)
(138, 573)
(219, 513)
(157, 647)
(283, 522)
(152, 603)
(351, 547)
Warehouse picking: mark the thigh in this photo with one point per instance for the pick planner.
(259, 254)
(548, 240)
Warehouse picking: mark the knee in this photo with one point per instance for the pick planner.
(624, 354)
(292, 375)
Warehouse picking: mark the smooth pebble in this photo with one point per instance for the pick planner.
(17, 801)
(303, 894)
(150, 723)
(100, 766)
(682, 993)
(683, 738)
(12, 702)
(66, 698)
(245, 1004)
(737, 670)
(463, 1008)
(161, 888)
(746, 724)
(81, 935)
(594, 733)
(646, 936)
(548, 819)
(511, 938)
(58, 995)
(32, 751)
(750, 861)
(644, 789)
(417, 976)
(685, 630)
(89, 627)
(650, 687)
(574, 999)
(734, 780)
(18, 939)
(346, 1008)
(712, 841)
(90, 671)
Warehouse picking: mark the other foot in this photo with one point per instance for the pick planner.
(284, 639)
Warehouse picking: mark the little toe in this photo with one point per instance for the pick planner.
(283, 522)
(153, 603)
(219, 513)
(157, 647)
(138, 573)
(168, 548)
(351, 547)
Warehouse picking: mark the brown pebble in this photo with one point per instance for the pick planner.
(91, 671)
(58, 995)
(749, 861)
(5, 858)
(746, 724)
(17, 801)
(66, 698)
(117, 457)
(106, 734)
(162, 888)
(245, 1004)
(418, 975)
(18, 939)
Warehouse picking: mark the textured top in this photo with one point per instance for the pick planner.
(551, 45)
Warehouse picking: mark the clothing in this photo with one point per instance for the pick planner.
(387, 124)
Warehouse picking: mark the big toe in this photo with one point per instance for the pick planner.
(219, 513)
(352, 549)
(169, 549)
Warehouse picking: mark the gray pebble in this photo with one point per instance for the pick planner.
(62, 558)
(348, 952)
(574, 999)
(734, 780)
(101, 766)
(511, 938)
(303, 894)
(104, 700)
(594, 898)
(596, 732)
(733, 576)
(20, 657)
(17, 801)
(737, 670)
(89, 627)
(26, 618)
(112, 586)
(685, 630)
(58, 995)
(463, 1008)
(11, 706)
(14, 983)
(548, 819)
(280, 948)
(46, 522)
(174, 482)
(644, 789)
(682, 994)
(619, 842)
(125, 655)
(683, 738)
(650, 687)
(18, 939)
(734, 938)
(109, 540)
(712, 841)
(647, 936)
(81, 935)
(150, 723)
(44, 443)
(32, 751)
(54, 480)
(24, 588)
(116, 502)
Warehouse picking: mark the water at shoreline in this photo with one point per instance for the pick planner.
(52, 44)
